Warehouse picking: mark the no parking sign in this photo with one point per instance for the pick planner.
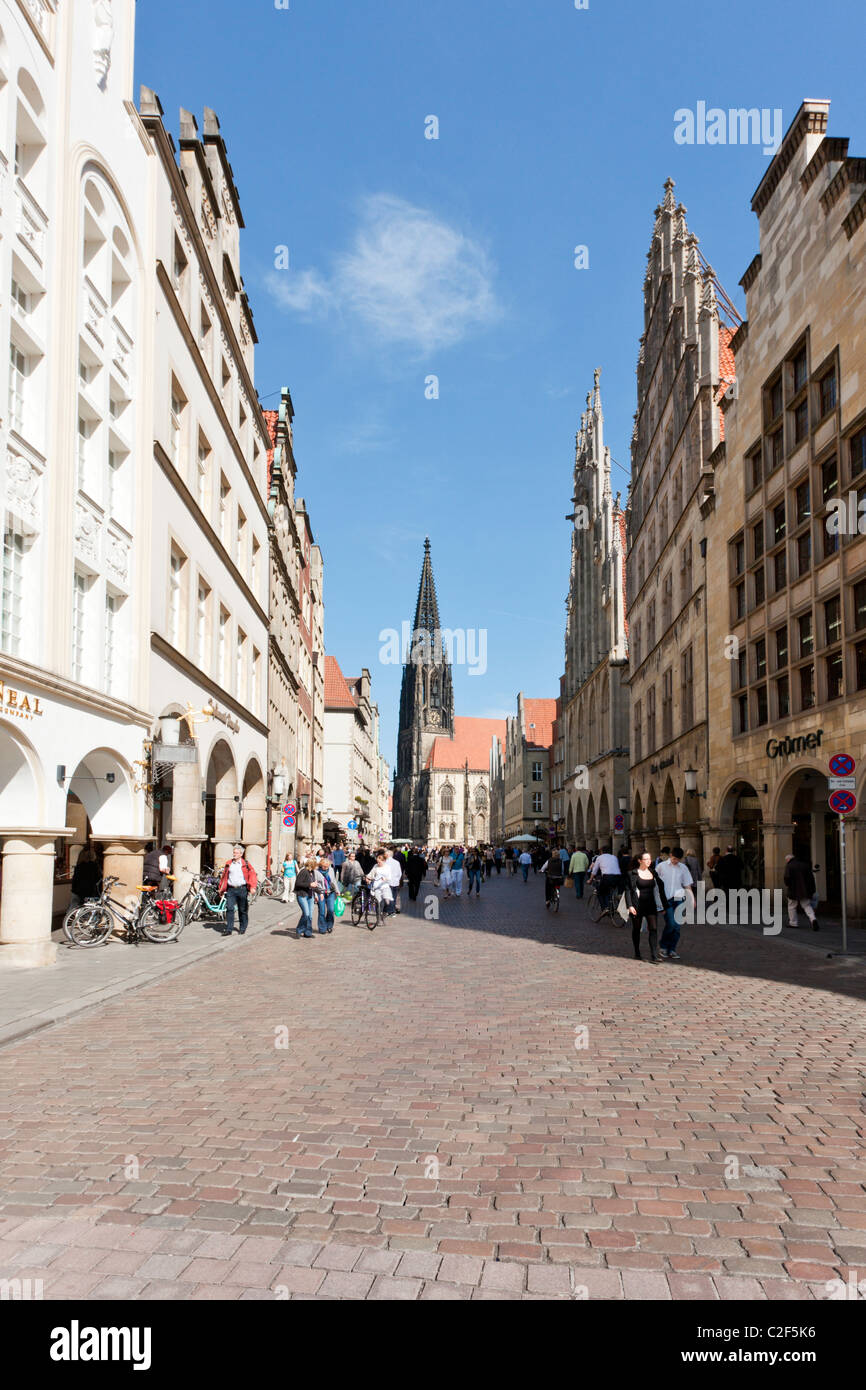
(289, 813)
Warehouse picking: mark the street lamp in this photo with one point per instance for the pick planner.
(691, 781)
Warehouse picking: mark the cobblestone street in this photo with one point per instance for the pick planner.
(436, 1127)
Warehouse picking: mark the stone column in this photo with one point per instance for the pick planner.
(777, 844)
(187, 811)
(27, 900)
(255, 832)
(124, 859)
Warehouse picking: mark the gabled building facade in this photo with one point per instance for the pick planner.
(595, 691)
(528, 762)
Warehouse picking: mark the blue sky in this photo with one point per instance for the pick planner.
(411, 257)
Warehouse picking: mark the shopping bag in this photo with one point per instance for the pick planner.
(569, 882)
(339, 906)
(622, 908)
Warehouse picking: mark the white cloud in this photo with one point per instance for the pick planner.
(409, 278)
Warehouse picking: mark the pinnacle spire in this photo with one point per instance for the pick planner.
(427, 607)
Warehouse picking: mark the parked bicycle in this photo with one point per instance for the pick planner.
(203, 901)
(366, 908)
(93, 922)
(268, 886)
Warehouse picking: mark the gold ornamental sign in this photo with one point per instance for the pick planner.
(18, 704)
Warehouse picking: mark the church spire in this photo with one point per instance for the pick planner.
(427, 607)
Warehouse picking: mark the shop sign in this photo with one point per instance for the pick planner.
(223, 717)
(784, 747)
(18, 704)
(665, 762)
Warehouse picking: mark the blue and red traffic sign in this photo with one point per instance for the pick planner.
(289, 812)
(841, 765)
(843, 803)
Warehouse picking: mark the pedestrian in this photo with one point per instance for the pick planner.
(693, 864)
(444, 879)
(525, 862)
(305, 891)
(475, 865)
(554, 875)
(606, 869)
(416, 872)
(458, 859)
(664, 856)
(577, 867)
(351, 873)
(394, 870)
(497, 858)
(380, 882)
(677, 882)
(86, 877)
(625, 858)
(730, 874)
(646, 898)
(290, 873)
(800, 889)
(713, 867)
(237, 881)
(326, 895)
(338, 859)
(488, 861)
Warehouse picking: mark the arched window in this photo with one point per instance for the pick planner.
(480, 797)
(442, 829)
(446, 798)
(453, 830)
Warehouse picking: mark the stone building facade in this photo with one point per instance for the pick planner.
(787, 672)
(210, 553)
(684, 368)
(76, 319)
(529, 755)
(595, 690)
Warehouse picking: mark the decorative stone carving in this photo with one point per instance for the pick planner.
(208, 220)
(103, 37)
(117, 558)
(39, 13)
(228, 209)
(181, 226)
(23, 483)
(86, 533)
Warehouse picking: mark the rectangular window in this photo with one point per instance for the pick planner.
(651, 719)
(112, 608)
(223, 651)
(638, 729)
(780, 571)
(667, 600)
(202, 626)
(179, 267)
(801, 421)
(742, 675)
(757, 540)
(761, 715)
(807, 687)
(801, 501)
(804, 553)
(255, 566)
(827, 392)
(79, 596)
(859, 593)
(18, 373)
(801, 370)
(832, 620)
(783, 697)
(175, 597)
(115, 490)
(20, 298)
(776, 451)
(536, 772)
(256, 688)
(781, 636)
(225, 524)
(667, 705)
(857, 453)
(830, 539)
(203, 474)
(739, 555)
(241, 543)
(84, 430)
(860, 665)
(754, 470)
(742, 714)
(804, 625)
(651, 625)
(760, 658)
(774, 401)
(687, 692)
(12, 588)
(834, 676)
(829, 479)
(740, 601)
(241, 666)
(778, 523)
(178, 404)
(760, 586)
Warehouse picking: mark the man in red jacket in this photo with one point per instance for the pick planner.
(238, 880)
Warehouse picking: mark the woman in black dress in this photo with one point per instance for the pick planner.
(645, 895)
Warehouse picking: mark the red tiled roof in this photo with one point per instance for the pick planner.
(471, 743)
(727, 369)
(541, 713)
(337, 693)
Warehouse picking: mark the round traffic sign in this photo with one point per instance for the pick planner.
(841, 765)
(351, 825)
(289, 811)
(843, 803)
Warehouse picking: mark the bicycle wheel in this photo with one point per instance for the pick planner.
(555, 902)
(374, 914)
(594, 906)
(158, 931)
(88, 926)
(358, 908)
